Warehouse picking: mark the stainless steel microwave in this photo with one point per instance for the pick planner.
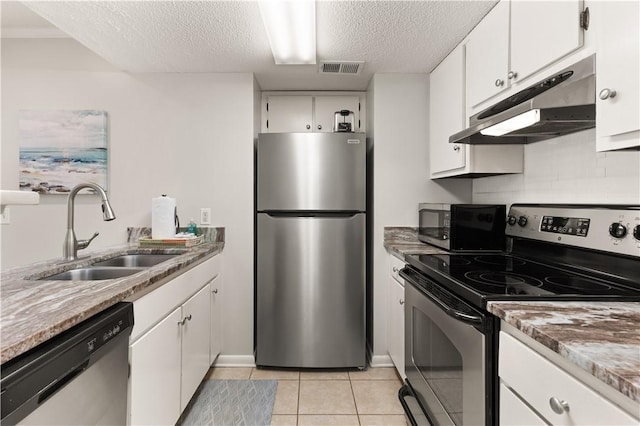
(463, 227)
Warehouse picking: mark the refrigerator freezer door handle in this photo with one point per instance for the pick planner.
(312, 214)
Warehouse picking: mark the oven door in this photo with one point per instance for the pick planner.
(449, 354)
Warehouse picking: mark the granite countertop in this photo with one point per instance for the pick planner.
(34, 311)
(404, 240)
(602, 338)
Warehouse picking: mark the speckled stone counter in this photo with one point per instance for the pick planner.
(602, 338)
(404, 240)
(34, 311)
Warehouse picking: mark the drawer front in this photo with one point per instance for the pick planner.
(537, 380)
(514, 412)
(152, 307)
(395, 265)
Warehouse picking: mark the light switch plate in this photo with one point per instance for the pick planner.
(205, 216)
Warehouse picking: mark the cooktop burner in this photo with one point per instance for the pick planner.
(482, 277)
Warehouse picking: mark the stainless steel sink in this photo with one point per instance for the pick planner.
(92, 274)
(136, 260)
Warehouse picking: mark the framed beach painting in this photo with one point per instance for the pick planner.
(62, 148)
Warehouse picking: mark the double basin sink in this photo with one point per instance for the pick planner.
(116, 267)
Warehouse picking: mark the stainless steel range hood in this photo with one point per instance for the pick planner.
(558, 105)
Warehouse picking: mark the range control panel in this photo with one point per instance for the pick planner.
(611, 228)
(565, 225)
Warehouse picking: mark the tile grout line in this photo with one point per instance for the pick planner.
(298, 404)
(355, 403)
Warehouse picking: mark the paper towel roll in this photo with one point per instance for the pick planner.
(163, 213)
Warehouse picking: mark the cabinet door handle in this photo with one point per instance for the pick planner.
(607, 93)
(215, 291)
(499, 82)
(184, 320)
(558, 406)
(456, 148)
(319, 126)
(401, 301)
(395, 269)
(308, 126)
(512, 75)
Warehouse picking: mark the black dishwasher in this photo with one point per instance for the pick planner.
(78, 377)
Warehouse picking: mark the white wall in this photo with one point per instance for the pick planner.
(397, 106)
(186, 135)
(567, 170)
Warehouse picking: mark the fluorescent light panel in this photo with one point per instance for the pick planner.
(518, 122)
(291, 29)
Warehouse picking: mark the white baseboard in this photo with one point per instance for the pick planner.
(249, 361)
(381, 361)
(235, 361)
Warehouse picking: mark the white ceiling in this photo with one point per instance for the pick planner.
(228, 36)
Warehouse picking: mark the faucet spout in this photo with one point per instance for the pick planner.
(71, 246)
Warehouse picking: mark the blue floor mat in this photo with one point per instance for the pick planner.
(231, 403)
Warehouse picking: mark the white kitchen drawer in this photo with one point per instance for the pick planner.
(395, 265)
(514, 412)
(154, 306)
(537, 380)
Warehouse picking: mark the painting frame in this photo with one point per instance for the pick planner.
(60, 149)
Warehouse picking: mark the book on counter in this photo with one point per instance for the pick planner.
(180, 240)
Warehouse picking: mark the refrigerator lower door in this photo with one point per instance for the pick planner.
(310, 291)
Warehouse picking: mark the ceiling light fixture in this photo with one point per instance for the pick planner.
(515, 123)
(291, 29)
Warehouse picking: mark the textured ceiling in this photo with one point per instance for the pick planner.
(228, 36)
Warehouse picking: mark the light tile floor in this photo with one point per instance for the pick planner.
(346, 398)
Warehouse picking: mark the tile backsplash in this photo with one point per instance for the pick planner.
(567, 169)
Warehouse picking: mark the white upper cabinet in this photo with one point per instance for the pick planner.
(289, 114)
(447, 109)
(617, 27)
(447, 116)
(309, 112)
(327, 106)
(487, 55)
(515, 40)
(541, 33)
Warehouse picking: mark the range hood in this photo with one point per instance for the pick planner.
(561, 104)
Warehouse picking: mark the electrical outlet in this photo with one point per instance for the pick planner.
(5, 219)
(205, 216)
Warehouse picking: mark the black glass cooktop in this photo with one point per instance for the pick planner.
(482, 277)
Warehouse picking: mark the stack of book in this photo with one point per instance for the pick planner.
(174, 242)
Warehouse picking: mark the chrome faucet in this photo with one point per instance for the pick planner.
(71, 244)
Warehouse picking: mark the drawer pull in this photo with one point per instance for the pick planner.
(558, 406)
(395, 269)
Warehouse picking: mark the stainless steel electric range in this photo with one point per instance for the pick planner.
(554, 252)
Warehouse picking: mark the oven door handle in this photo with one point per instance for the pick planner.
(460, 316)
(474, 320)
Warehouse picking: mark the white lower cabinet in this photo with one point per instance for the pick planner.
(395, 315)
(215, 288)
(155, 374)
(533, 388)
(195, 327)
(170, 345)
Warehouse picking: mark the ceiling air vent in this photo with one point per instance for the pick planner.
(341, 67)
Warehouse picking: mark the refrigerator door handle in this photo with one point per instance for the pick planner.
(327, 214)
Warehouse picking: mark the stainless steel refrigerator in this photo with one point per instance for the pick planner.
(310, 249)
